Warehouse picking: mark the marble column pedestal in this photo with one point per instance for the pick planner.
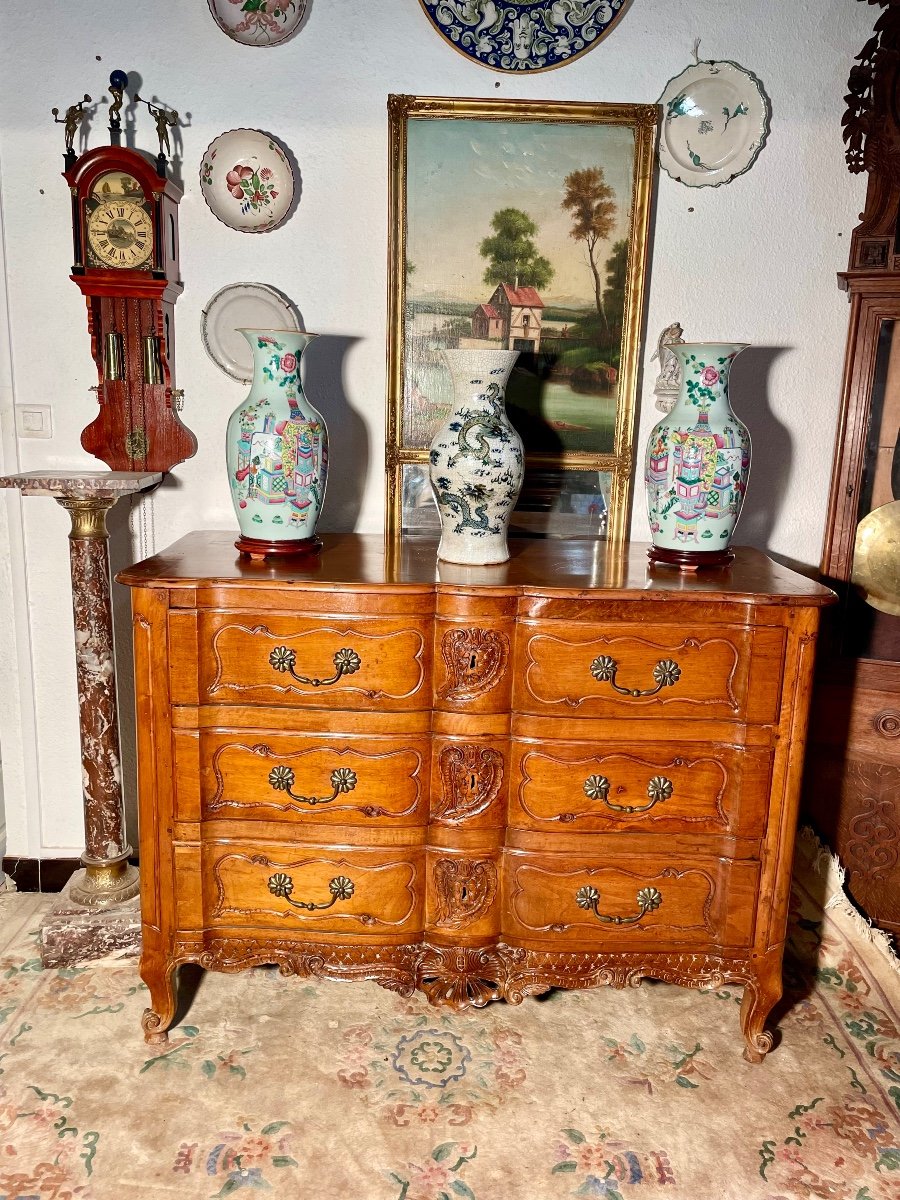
(98, 912)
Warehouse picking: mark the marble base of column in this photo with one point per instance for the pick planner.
(71, 934)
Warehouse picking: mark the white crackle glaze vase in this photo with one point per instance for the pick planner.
(476, 461)
(277, 444)
(698, 461)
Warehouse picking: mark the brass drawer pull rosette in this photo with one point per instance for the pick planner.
(343, 780)
(346, 662)
(666, 673)
(282, 885)
(648, 899)
(596, 787)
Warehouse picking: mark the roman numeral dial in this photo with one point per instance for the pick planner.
(120, 234)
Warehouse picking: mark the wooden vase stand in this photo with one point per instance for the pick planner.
(261, 548)
(690, 560)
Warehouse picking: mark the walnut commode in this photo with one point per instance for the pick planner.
(569, 770)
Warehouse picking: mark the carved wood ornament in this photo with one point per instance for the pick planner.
(471, 778)
(475, 660)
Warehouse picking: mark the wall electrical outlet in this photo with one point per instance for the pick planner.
(34, 421)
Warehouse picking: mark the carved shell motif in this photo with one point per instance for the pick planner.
(475, 660)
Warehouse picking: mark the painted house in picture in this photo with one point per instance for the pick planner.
(513, 315)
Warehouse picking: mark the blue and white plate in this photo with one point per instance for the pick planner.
(534, 35)
(715, 122)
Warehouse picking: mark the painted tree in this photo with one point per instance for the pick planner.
(592, 204)
(511, 251)
(616, 282)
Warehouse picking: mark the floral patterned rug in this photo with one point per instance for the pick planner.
(347, 1091)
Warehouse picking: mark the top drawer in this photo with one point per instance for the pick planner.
(349, 662)
(636, 670)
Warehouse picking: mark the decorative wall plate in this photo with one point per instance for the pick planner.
(258, 22)
(715, 122)
(242, 306)
(246, 180)
(534, 35)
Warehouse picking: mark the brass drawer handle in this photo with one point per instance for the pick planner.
(596, 787)
(346, 662)
(343, 780)
(282, 885)
(666, 673)
(648, 898)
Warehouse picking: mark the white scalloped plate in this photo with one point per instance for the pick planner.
(715, 122)
(242, 306)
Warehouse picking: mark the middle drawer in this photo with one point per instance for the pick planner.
(318, 779)
(657, 787)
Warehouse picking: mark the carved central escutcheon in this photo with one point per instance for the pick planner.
(465, 889)
(475, 660)
(471, 777)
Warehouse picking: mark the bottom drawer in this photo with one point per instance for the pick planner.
(322, 889)
(575, 902)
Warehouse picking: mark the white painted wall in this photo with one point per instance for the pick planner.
(753, 261)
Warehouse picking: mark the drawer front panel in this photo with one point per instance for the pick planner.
(649, 670)
(658, 787)
(648, 902)
(377, 664)
(322, 780)
(326, 889)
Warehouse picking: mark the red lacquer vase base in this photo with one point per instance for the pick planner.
(690, 560)
(260, 548)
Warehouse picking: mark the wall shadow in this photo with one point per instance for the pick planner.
(772, 444)
(348, 439)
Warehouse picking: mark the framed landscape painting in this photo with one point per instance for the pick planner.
(520, 225)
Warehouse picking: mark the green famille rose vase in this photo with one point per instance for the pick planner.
(697, 462)
(277, 451)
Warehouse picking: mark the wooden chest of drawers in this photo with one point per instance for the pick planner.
(569, 770)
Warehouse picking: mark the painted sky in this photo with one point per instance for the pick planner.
(460, 172)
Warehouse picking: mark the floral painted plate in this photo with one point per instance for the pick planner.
(246, 180)
(258, 22)
(715, 122)
(242, 306)
(531, 35)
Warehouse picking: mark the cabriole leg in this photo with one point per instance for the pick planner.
(162, 982)
(761, 995)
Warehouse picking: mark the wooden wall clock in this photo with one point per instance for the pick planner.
(125, 235)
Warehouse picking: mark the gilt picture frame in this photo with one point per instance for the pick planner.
(522, 225)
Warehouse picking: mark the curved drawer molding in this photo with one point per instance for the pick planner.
(634, 674)
(279, 663)
(352, 892)
(706, 788)
(567, 898)
(364, 782)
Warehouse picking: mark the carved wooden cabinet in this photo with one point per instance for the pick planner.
(569, 770)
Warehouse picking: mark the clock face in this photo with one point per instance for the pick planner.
(119, 227)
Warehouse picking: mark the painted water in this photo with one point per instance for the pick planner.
(550, 416)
